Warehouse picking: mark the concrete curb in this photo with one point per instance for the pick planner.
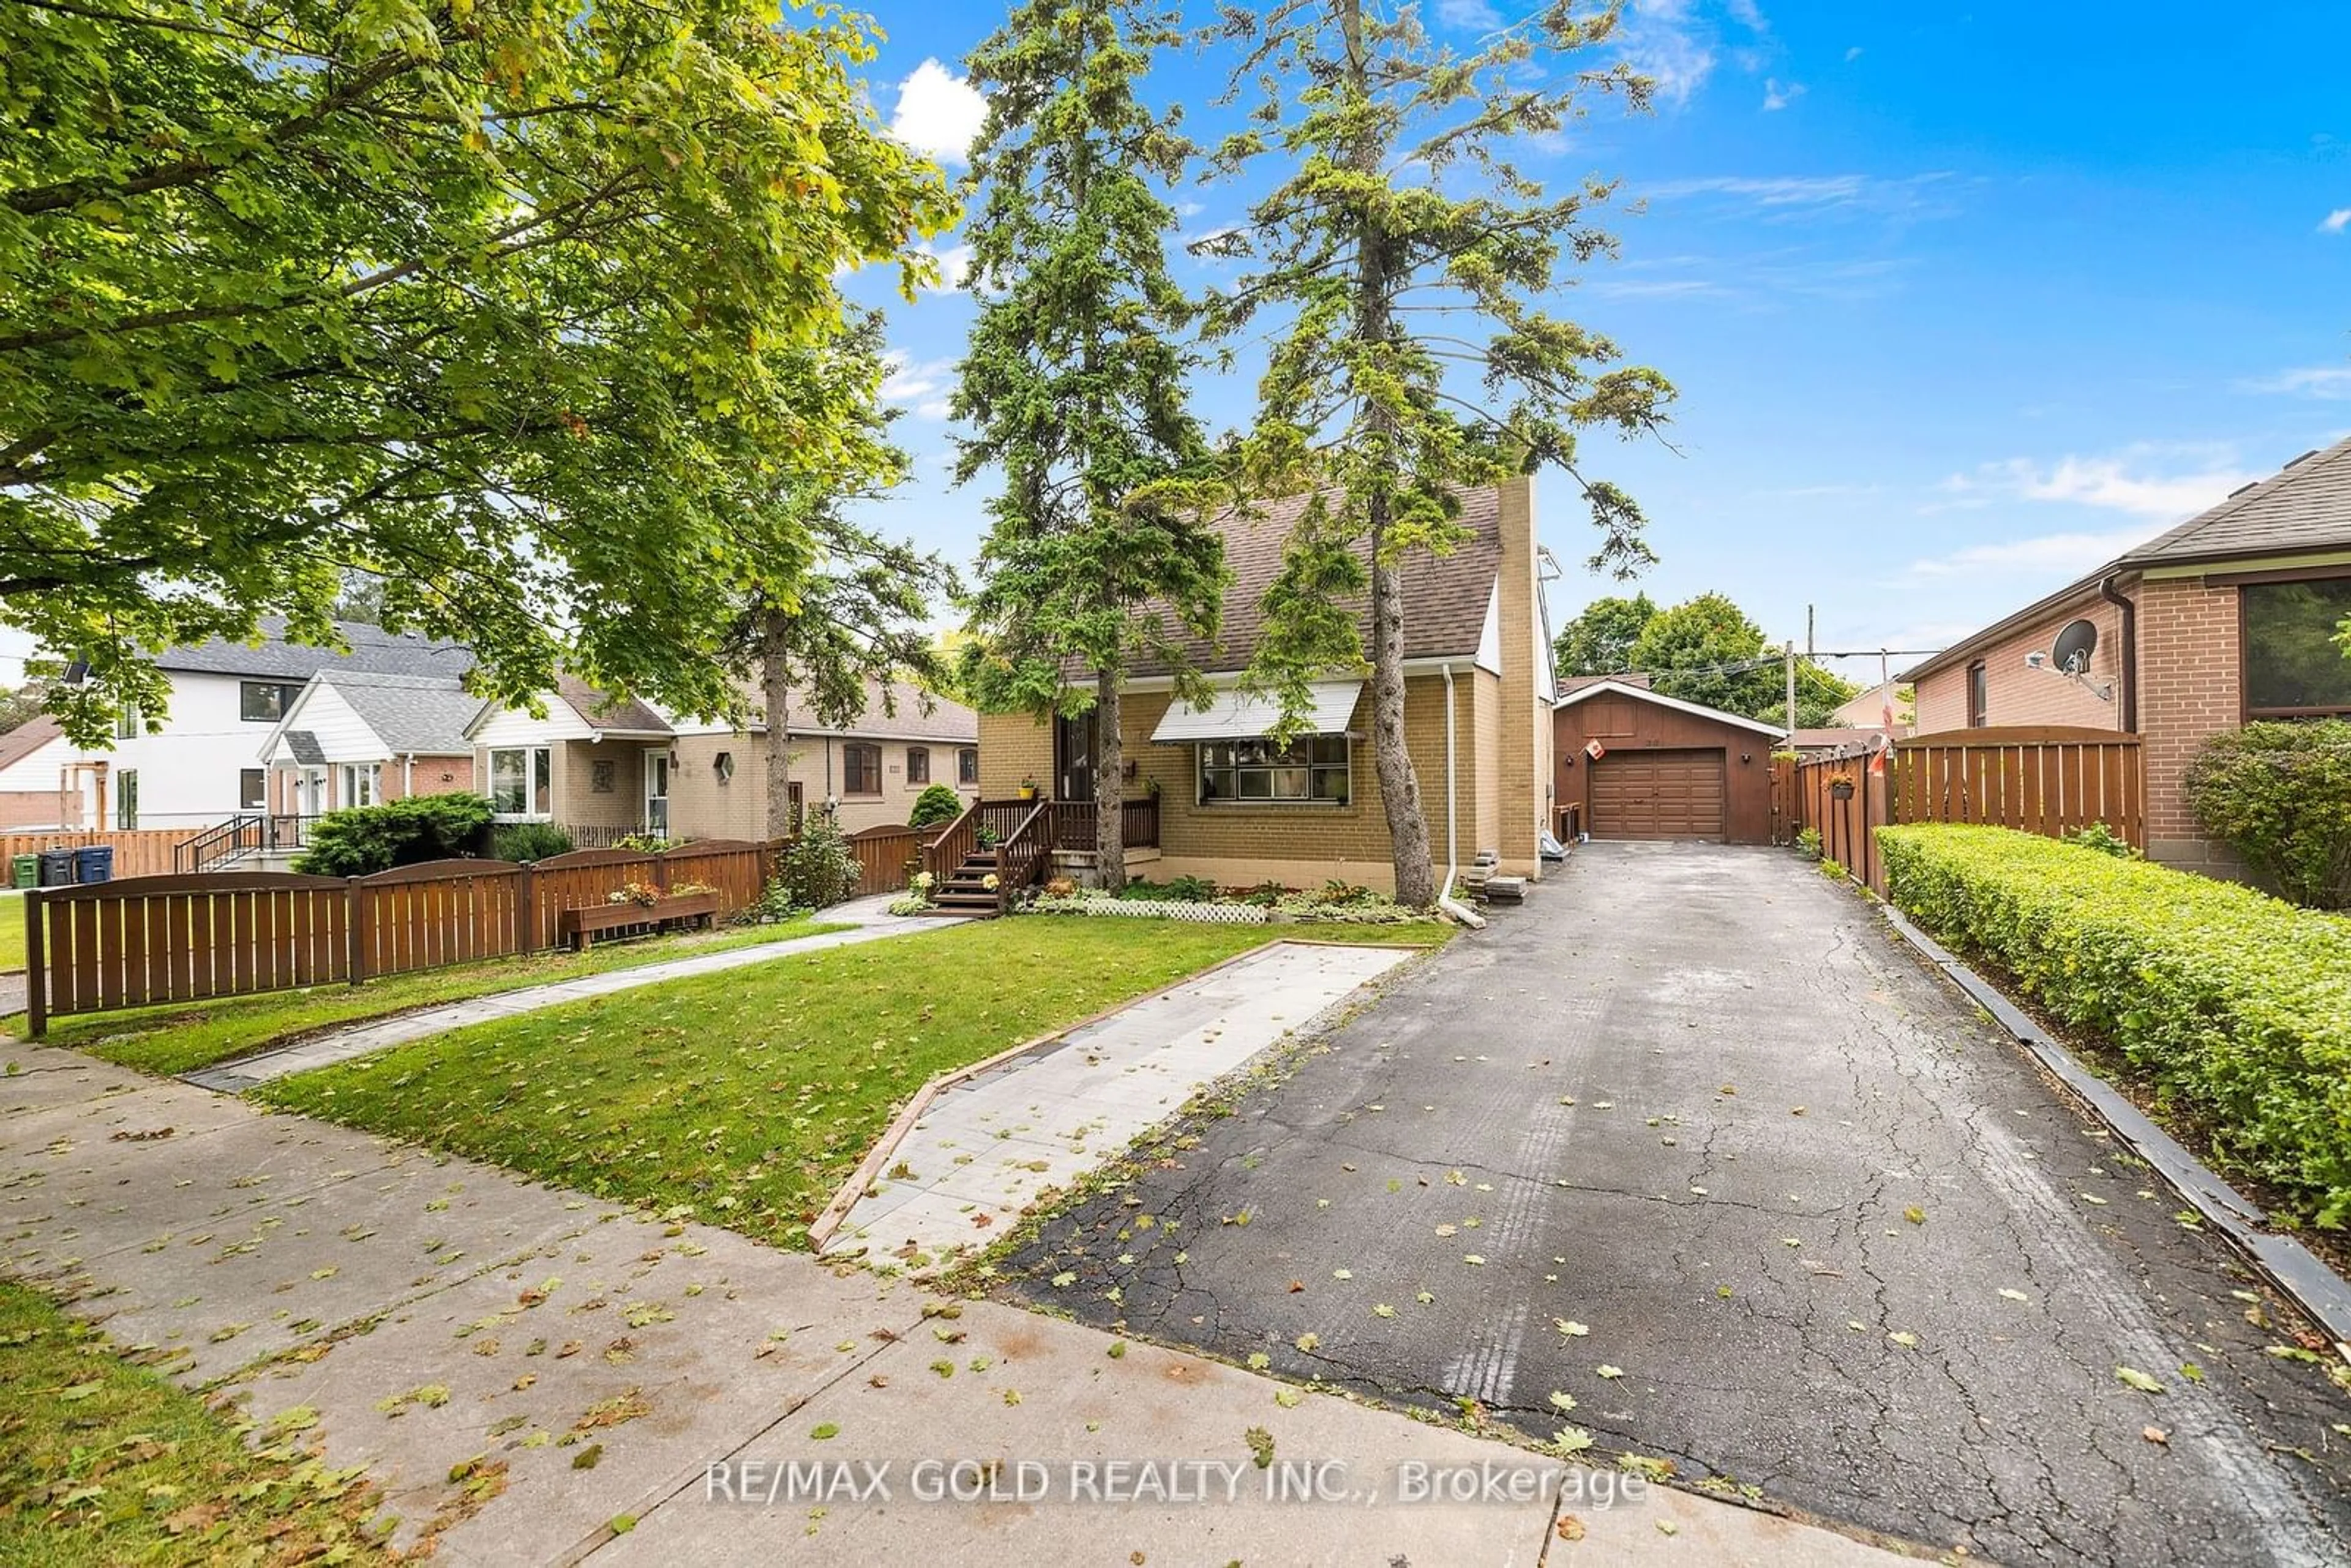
(844, 1198)
(2292, 1268)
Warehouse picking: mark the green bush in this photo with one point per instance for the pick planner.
(530, 842)
(1808, 842)
(818, 869)
(1832, 868)
(2105, 839)
(935, 804)
(359, 840)
(2279, 793)
(2235, 1005)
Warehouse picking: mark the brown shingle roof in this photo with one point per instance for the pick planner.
(1445, 597)
(28, 738)
(2306, 505)
(625, 715)
(892, 708)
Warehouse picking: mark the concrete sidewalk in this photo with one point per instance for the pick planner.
(536, 1377)
(987, 1147)
(868, 921)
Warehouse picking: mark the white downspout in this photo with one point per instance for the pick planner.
(408, 778)
(1453, 907)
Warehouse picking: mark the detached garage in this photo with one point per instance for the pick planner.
(1630, 763)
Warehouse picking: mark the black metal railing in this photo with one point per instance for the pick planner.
(225, 843)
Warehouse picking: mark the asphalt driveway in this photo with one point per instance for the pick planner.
(1688, 1155)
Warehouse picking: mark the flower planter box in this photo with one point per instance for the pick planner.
(577, 926)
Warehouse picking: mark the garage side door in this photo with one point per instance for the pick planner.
(1658, 795)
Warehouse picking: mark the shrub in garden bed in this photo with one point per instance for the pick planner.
(2279, 794)
(2235, 1005)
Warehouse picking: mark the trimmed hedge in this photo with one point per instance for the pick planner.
(2235, 1004)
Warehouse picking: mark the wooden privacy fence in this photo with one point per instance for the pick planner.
(145, 852)
(138, 941)
(2051, 780)
(885, 854)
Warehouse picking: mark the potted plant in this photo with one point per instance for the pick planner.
(985, 836)
(1841, 787)
(1029, 788)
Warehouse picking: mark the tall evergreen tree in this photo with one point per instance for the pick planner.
(1098, 549)
(1396, 226)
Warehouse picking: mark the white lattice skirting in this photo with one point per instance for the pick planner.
(1155, 909)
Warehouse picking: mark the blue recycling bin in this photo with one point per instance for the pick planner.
(56, 868)
(94, 862)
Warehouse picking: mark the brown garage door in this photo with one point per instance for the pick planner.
(1657, 795)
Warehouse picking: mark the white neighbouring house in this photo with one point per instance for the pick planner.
(354, 737)
(203, 765)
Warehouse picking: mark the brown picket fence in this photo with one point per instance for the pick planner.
(139, 941)
(884, 854)
(139, 851)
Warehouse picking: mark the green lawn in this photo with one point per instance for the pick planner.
(747, 1098)
(12, 931)
(104, 1462)
(184, 1037)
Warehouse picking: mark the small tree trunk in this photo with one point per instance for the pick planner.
(1110, 788)
(1415, 878)
(775, 679)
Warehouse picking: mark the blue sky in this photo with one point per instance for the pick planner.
(1960, 299)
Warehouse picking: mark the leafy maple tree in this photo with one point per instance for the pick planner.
(503, 302)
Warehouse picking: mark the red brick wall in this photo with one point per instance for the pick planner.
(2017, 694)
(2191, 688)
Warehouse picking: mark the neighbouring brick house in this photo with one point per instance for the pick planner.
(873, 767)
(1238, 810)
(2230, 616)
(352, 737)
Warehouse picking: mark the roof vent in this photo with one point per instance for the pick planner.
(2243, 488)
(2304, 458)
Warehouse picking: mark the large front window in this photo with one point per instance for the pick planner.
(2294, 666)
(362, 783)
(522, 782)
(1312, 767)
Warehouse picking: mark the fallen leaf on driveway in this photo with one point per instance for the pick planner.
(1611, 1372)
(2138, 1380)
(1906, 1340)
(1443, 1230)
(2155, 1434)
(1570, 1527)
(1570, 1327)
(1343, 1274)
(1474, 1260)
(2016, 1295)
(1915, 1214)
(1563, 1401)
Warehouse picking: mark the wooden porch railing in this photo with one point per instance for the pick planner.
(1024, 855)
(1073, 823)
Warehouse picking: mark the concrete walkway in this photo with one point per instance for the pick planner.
(987, 1146)
(536, 1377)
(868, 921)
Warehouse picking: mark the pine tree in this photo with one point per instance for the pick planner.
(1098, 549)
(1398, 224)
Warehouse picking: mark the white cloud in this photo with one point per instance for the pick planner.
(1749, 15)
(1778, 95)
(1789, 197)
(2050, 555)
(1852, 54)
(2162, 485)
(2336, 222)
(1471, 16)
(938, 113)
(921, 385)
(2311, 380)
(954, 266)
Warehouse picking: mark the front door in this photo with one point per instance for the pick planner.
(657, 793)
(1073, 757)
(311, 799)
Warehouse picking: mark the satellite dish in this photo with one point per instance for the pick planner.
(2071, 651)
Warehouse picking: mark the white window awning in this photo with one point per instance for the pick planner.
(1237, 715)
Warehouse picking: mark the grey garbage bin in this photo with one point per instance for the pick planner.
(56, 868)
(94, 862)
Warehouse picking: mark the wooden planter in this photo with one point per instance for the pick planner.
(576, 926)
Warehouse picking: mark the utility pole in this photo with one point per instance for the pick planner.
(1812, 616)
(1791, 693)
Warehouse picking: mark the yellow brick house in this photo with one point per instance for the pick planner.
(1233, 807)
